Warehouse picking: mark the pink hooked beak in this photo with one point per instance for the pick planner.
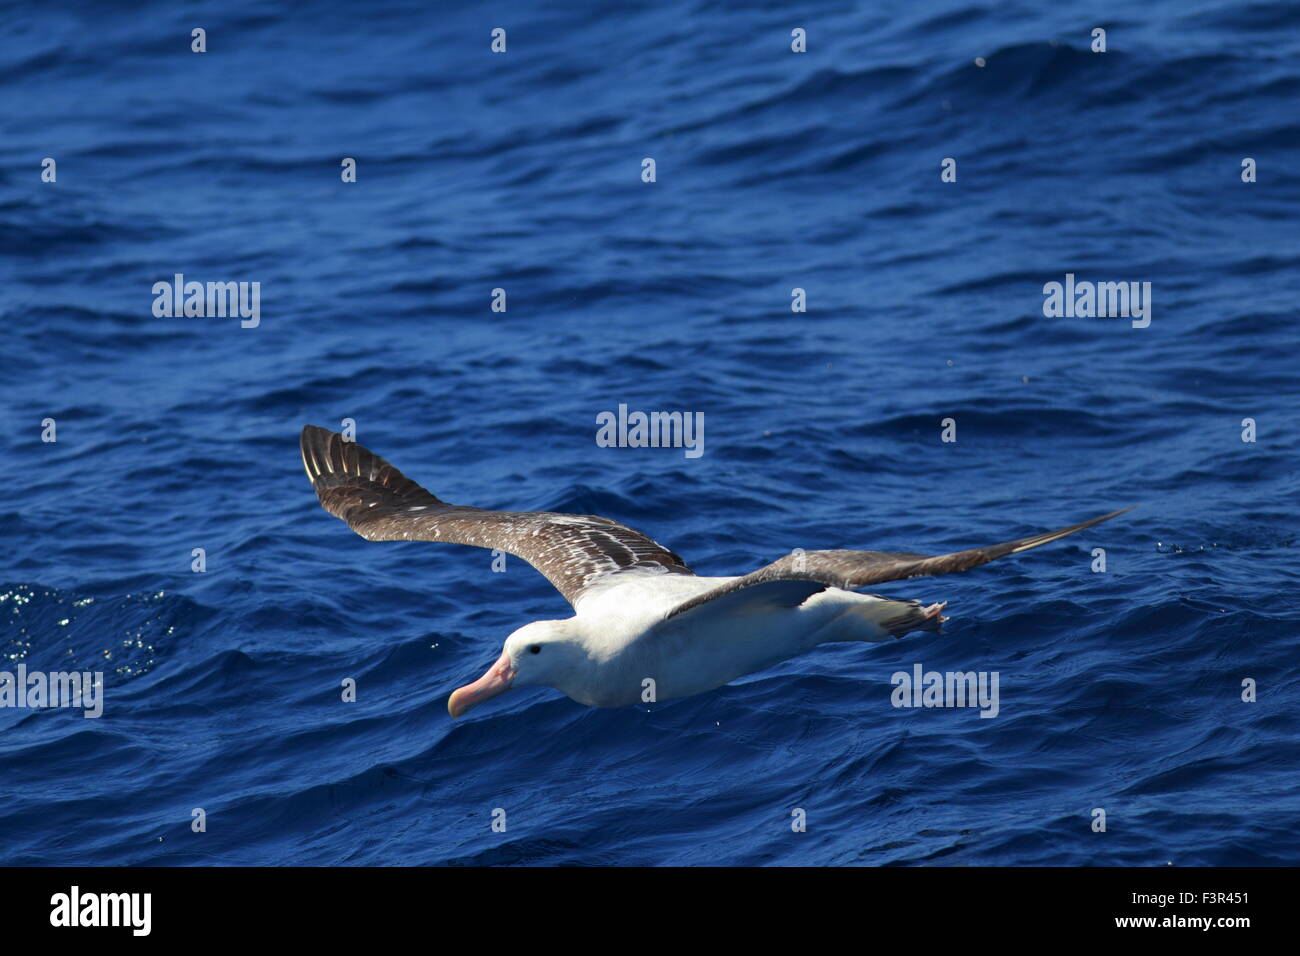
(497, 680)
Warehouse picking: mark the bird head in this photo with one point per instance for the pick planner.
(543, 653)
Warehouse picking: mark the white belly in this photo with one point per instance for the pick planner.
(644, 657)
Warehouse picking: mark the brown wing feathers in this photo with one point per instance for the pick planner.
(852, 570)
(381, 504)
(576, 551)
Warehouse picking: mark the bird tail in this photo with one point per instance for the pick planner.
(914, 617)
(871, 618)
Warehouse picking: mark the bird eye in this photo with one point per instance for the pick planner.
(534, 648)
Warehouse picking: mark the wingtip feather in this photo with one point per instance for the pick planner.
(1048, 537)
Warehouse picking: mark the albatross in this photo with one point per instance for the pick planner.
(645, 627)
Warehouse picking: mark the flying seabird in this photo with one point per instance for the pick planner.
(645, 627)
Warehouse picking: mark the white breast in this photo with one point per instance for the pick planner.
(632, 643)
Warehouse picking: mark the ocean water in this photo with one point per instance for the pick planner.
(1119, 690)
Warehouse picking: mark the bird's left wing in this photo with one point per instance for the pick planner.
(379, 503)
(852, 570)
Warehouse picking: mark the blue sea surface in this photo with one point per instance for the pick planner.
(775, 170)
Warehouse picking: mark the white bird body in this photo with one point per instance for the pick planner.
(623, 630)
